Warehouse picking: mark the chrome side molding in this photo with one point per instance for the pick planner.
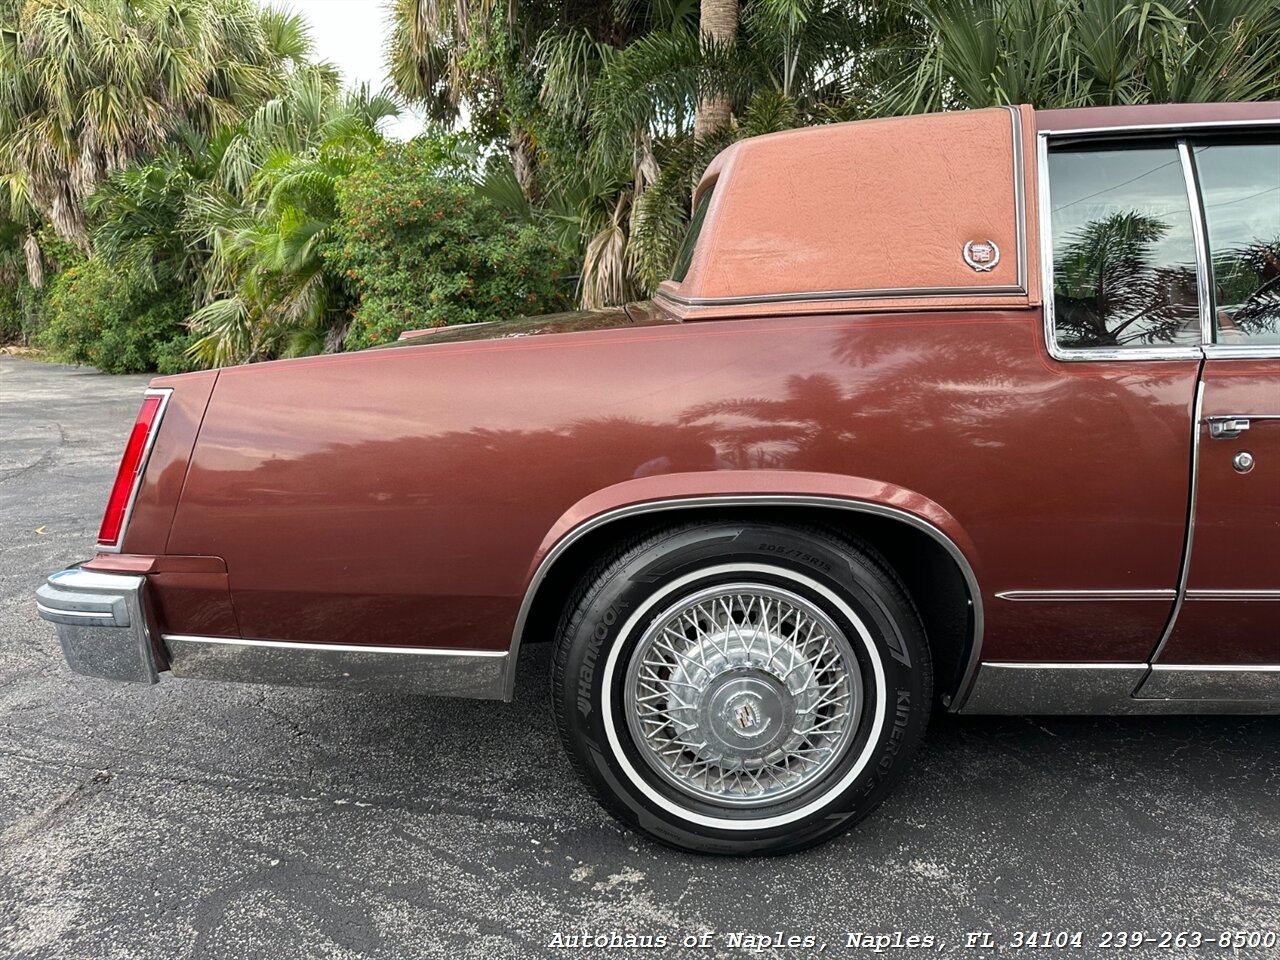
(477, 674)
(1085, 596)
(1234, 595)
(1123, 689)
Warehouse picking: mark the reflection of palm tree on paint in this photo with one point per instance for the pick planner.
(1108, 291)
(815, 419)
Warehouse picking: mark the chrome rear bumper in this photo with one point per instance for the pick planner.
(101, 623)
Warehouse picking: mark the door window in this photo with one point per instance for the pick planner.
(1124, 256)
(1240, 191)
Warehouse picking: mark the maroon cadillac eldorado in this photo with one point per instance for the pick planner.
(978, 411)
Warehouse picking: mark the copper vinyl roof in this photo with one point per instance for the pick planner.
(876, 214)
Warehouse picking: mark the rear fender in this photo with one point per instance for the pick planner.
(671, 494)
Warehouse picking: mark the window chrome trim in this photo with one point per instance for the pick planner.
(1085, 596)
(1207, 349)
(1020, 198)
(1193, 496)
(825, 296)
(1241, 351)
(1212, 349)
(1075, 354)
(1191, 126)
(164, 393)
(1199, 237)
(959, 695)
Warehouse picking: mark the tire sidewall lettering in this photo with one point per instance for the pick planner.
(587, 668)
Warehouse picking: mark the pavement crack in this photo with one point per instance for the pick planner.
(45, 459)
(81, 793)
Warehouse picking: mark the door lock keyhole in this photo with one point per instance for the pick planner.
(1242, 461)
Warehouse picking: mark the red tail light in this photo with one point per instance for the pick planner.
(131, 466)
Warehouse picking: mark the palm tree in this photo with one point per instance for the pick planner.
(440, 55)
(1067, 53)
(655, 111)
(634, 97)
(88, 87)
(717, 25)
(266, 215)
(240, 219)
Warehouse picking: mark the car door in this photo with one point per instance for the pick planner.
(1122, 320)
(1224, 640)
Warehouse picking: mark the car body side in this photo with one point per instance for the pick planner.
(408, 497)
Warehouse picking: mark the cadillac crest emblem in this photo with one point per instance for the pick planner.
(982, 255)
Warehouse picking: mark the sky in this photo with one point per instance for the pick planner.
(350, 35)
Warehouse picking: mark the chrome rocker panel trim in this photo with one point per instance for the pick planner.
(478, 674)
(1119, 689)
(1246, 683)
(758, 500)
(101, 623)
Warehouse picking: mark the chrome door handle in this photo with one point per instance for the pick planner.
(1225, 428)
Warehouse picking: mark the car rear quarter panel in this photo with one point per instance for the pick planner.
(403, 496)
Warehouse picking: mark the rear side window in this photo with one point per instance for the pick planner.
(685, 256)
(1240, 190)
(1124, 258)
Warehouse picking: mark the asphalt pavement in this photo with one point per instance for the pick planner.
(196, 819)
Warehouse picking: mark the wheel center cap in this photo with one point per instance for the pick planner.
(747, 712)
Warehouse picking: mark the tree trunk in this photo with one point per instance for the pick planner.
(718, 21)
(524, 161)
(34, 258)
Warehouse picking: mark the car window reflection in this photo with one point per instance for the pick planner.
(1240, 187)
(1123, 248)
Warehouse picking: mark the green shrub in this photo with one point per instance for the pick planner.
(112, 320)
(420, 249)
(10, 315)
(171, 355)
(22, 312)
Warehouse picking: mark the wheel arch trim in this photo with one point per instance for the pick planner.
(680, 503)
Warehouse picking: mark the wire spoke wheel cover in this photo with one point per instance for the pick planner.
(741, 687)
(743, 695)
